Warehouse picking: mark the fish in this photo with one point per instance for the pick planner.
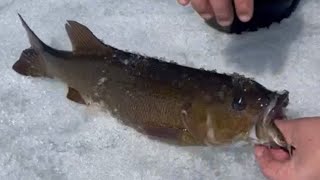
(265, 13)
(165, 101)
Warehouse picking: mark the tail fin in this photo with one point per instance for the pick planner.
(35, 42)
(31, 62)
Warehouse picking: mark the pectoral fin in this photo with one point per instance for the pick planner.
(193, 128)
(203, 131)
(75, 96)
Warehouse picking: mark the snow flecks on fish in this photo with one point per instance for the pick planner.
(102, 80)
(126, 61)
(157, 105)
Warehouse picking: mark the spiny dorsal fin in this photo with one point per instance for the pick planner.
(84, 41)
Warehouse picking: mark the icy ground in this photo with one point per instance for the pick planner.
(45, 136)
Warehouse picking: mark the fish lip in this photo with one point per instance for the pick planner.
(276, 109)
(283, 98)
(281, 104)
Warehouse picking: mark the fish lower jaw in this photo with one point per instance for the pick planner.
(253, 138)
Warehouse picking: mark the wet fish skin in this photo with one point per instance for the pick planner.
(178, 104)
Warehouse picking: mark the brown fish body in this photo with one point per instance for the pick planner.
(164, 100)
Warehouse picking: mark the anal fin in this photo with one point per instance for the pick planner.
(75, 96)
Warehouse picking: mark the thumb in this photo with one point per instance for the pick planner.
(287, 128)
(274, 163)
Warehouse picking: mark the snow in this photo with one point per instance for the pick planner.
(45, 136)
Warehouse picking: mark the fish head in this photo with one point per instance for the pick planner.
(230, 114)
(263, 108)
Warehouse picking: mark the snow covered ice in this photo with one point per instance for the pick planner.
(45, 136)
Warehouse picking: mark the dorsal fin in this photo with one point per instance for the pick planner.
(84, 41)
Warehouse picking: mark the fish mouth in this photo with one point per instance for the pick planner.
(276, 111)
(265, 132)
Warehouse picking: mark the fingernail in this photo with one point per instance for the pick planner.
(224, 22)
(244, 17)
(206, 16)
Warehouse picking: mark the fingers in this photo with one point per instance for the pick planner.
(184, 2)
(223, 11)
(244, 9)
(203, 8)
(273, 163)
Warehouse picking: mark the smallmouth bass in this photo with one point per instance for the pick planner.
(166, 101)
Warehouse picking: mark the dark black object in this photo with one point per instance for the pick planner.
(265, 13)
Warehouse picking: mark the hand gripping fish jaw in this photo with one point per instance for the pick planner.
(266, 131)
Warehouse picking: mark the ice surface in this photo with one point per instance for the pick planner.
(45, 136)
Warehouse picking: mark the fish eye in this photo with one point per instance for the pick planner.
(239, 103)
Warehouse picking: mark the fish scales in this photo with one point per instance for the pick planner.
(164, 100)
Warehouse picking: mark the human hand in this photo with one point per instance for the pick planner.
(222, 10)
(304, 135)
